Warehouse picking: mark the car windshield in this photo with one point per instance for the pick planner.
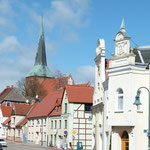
(1, 139)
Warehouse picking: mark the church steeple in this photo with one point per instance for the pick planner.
(40, 66)
(41, 54)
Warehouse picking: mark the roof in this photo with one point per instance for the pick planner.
(142, 54)
(55, 113)
(79, 94)
(11, 94)
(41, 71)
(6, 110)
(22, 122)
(51, 85)
(21, 109)
(46, 105)
(40, 66)
(7, 121)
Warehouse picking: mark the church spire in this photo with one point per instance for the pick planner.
(40, 66)
(41, 54)
(122, 25)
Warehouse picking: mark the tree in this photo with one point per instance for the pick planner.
(61, 79)
(30, 87)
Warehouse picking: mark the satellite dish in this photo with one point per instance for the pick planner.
(27, 101)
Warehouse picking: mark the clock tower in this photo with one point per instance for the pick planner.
(122, 41)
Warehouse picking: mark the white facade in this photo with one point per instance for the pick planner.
(37, 131)
(73, 118)
(123, 123)
(3, 129)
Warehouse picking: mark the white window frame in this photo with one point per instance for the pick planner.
(118, 102)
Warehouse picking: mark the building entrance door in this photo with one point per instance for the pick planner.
(125, 141)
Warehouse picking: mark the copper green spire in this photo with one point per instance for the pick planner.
(41, 54)
(40, 66)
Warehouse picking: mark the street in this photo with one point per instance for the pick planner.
(19, 146)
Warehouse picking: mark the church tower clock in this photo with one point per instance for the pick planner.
(122, 41)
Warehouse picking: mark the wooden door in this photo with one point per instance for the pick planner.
(125, 141)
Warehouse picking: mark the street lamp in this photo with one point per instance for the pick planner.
(137, 102)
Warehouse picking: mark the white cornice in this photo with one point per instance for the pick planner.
(127, 69)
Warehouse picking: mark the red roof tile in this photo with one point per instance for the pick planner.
(4, 93)
(55, 113)
(7, 121)
(21, 109)
(51, 85)
(6, 111)
(79, 94)
(11, 94)
(46, 105)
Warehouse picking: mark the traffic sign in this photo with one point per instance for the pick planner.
(145, 131)
(65, 132)
(74, 132)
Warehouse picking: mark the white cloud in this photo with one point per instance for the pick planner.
(9, 44)
(7, 15)
(65, 16)
(84, 74)
(15, 61)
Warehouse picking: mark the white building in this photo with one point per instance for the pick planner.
(98, 98)
(5, 113)
(126, 73)
(72, 122)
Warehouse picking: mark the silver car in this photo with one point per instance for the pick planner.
(3, 143)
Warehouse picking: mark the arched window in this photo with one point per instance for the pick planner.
(120, 99)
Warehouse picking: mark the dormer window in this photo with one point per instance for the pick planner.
(8, 103)
(57, 109)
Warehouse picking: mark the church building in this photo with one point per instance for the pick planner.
(122, 125)
(40, 76)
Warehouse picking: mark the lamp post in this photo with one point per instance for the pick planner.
(137, 102)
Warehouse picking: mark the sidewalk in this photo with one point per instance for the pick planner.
(31, 145)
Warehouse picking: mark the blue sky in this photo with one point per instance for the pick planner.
(71, 28)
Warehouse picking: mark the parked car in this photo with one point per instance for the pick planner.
(3, 143)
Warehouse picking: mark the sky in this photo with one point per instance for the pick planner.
(71, 28)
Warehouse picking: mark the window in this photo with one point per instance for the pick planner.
(38, 121)
(57, 108)
(37, 134)
(8, 103)
(120, 99)
(32, 122)
(51, 124)
(13, 119)
(32, 135)
(44, 136)
(65, 107)
(45, 121)
(59, 124)
(65, 124)
(55, 124)
(88, 107)
(18, 132)
(3, 131)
